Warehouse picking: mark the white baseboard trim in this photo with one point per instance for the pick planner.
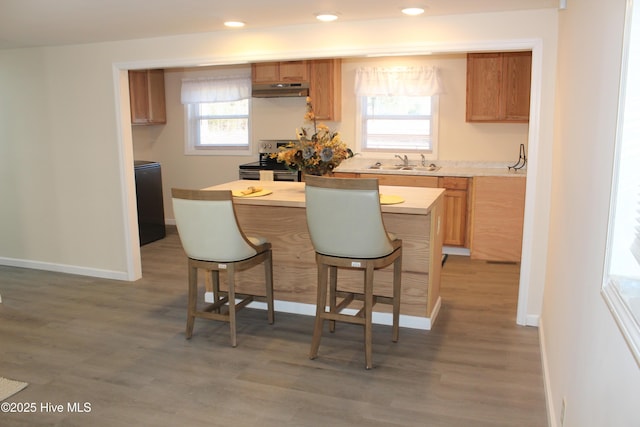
(63, 268)
(551, 422)
(532, 320)
(454, 250)
(406, 321)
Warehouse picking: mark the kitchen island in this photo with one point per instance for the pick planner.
(280, 217)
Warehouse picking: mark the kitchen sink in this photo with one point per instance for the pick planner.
(427, 168)
(431, 168)
(384, 167)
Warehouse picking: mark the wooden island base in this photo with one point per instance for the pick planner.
(281, 218)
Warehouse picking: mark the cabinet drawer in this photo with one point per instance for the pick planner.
(346, 175)
(404, 180)
(453, 183)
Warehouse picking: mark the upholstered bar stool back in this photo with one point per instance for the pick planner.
(214, 242)
(347, 231)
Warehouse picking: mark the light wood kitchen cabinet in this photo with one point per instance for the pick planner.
(325, 88)
(456, 212)
(346, 175)
(404, 180)
(279, 72)
(498, 87)
(497, 218)
(146, 95)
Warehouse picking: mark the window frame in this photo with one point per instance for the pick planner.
(626, 316)
(192, 135)
(390, 152)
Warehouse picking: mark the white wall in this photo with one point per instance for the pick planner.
(74, 209)
(586, 359)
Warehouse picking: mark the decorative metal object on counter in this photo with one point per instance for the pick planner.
(522, 160)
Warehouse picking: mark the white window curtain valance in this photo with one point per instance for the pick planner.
(215, 89)
(399, 81)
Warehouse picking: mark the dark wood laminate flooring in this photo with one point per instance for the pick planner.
(120, 347)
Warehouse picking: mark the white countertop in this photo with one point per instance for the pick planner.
(447, 168)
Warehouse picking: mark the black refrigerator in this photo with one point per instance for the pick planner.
(151, 225)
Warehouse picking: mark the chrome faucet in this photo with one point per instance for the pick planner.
(424, 160)
(405, 160)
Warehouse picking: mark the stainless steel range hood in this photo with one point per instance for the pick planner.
(280, 90)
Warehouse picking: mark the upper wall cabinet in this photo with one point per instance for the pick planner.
(325, 88)
(498, 87)
(146, 94)
(277, 72)
(324, 77)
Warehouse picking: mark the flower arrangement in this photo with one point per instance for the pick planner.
(317, 153)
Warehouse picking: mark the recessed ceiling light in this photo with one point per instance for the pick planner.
(326, 17)
(413, 11)
(234, 24)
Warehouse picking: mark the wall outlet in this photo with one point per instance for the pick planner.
(563, 410)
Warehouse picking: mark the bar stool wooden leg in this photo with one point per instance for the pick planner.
(397, 282)
(231, 277)
(321, 304)
(192, 297)
(268, 273)
(215, 280)
(368, 312)
(333, 285)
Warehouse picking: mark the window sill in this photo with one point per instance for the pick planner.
(623, 308)
(214, 151)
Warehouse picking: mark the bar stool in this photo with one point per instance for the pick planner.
(347, 232)
(213, 240)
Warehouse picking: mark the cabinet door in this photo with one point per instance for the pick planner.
(484, 74)
(325, 88)
(146, 95)
(497, 218)
(498, 87)
(294, 71)
(157, 103)
(139, 97)
(265, 72)
(517, 85)
(455, 218)
(455, 210)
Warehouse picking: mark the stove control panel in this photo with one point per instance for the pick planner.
(271, 145)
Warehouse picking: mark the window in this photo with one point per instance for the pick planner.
(621, 284)
(219, 125)
(398, 109)
(217, 115)
(398, 123)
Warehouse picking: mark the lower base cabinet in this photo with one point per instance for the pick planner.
(497, 218)
(456, 212)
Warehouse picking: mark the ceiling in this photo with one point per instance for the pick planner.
(32, 23)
